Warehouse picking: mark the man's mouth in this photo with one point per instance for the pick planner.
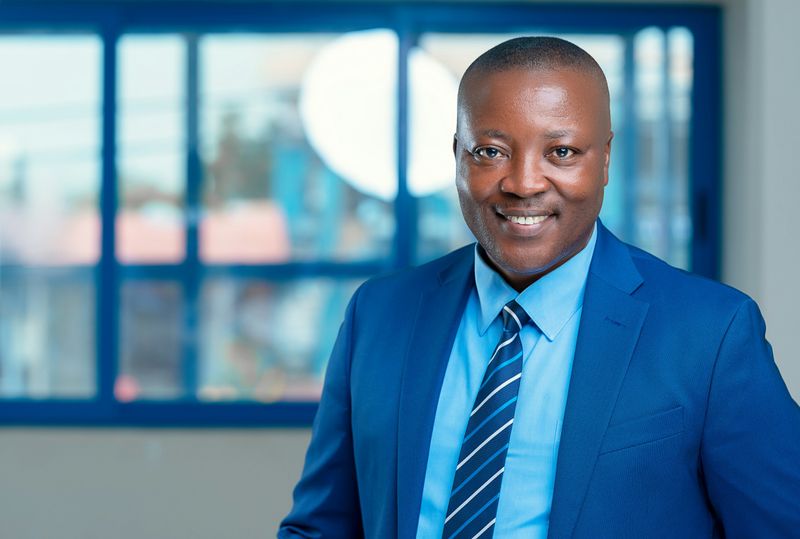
(526, 219)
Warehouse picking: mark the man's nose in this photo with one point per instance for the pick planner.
(527, 176)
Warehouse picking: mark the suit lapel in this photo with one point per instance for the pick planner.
(440, 309)
(611, 321)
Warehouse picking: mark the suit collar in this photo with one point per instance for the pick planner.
(610, 325)
(613, 264)
(457, 267)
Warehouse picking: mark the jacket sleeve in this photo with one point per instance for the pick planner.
(326, 500)
(751, 439)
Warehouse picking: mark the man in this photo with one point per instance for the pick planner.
(608, 394)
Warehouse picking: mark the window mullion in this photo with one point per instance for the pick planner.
(629, 128)
(193, 215)
(107, 302)
(405, 204)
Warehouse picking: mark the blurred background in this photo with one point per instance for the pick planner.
(191, 191)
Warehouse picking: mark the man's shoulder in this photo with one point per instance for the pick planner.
(667, 283)
(392, 299)
(407, 280)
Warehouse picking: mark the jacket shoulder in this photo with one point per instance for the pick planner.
(689, 290)
(411, 279)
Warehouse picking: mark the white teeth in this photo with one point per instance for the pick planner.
(521, 220)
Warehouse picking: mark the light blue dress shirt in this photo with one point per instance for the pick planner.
(554, 303)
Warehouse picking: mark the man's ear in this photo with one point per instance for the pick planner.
(607, 157)
(455, 144)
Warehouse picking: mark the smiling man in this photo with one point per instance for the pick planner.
(549, 381)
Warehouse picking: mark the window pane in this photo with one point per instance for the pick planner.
(299, 147)
(441, 226)
(49, 149)
(150, 224)
(150, 341)
(663, 85)
(647, 198)
(47, 334)
(267, 341)
(49, 184)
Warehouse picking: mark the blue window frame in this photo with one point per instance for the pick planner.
(113, 281)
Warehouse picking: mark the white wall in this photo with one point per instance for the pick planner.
(158, 483)
(761, 171)
(146, 484)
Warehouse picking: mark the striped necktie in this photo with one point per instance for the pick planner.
(476, 486)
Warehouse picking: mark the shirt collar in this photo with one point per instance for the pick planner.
(550, 302)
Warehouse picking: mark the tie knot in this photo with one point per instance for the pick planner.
(514, 317)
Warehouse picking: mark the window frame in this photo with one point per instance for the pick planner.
(109, 21)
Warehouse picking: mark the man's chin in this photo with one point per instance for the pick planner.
(519, 269)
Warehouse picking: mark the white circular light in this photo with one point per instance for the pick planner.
(348, 106)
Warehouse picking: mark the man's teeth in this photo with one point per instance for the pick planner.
(520, 220)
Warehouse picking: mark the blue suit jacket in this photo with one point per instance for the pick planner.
(677, 421)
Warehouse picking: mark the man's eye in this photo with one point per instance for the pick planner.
(563, 153)
(487, 152)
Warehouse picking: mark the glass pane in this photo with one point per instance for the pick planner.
(646, 201)
(299, 146)
(663, 86)
(150, 341)
(49, 149)
(268, 341)
(151, 164)
(47, 335)
(441, 226)
(433, 88)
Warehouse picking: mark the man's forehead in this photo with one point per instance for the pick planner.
(496, 90)
(523, 78)
(561, 92)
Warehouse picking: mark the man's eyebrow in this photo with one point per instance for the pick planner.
(560, 133)
(494, 133)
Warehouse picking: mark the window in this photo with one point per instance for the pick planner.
(188, 198)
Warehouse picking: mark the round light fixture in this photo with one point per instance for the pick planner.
(348, 106)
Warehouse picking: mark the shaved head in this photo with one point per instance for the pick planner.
(533, 54)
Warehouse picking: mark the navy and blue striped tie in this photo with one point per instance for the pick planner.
(476, 486)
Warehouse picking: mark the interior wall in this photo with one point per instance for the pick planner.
(176, 483)
(762, 178)
(146, 484)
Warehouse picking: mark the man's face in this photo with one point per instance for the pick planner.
(532, 151)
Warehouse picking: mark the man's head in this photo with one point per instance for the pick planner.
(532, 148)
